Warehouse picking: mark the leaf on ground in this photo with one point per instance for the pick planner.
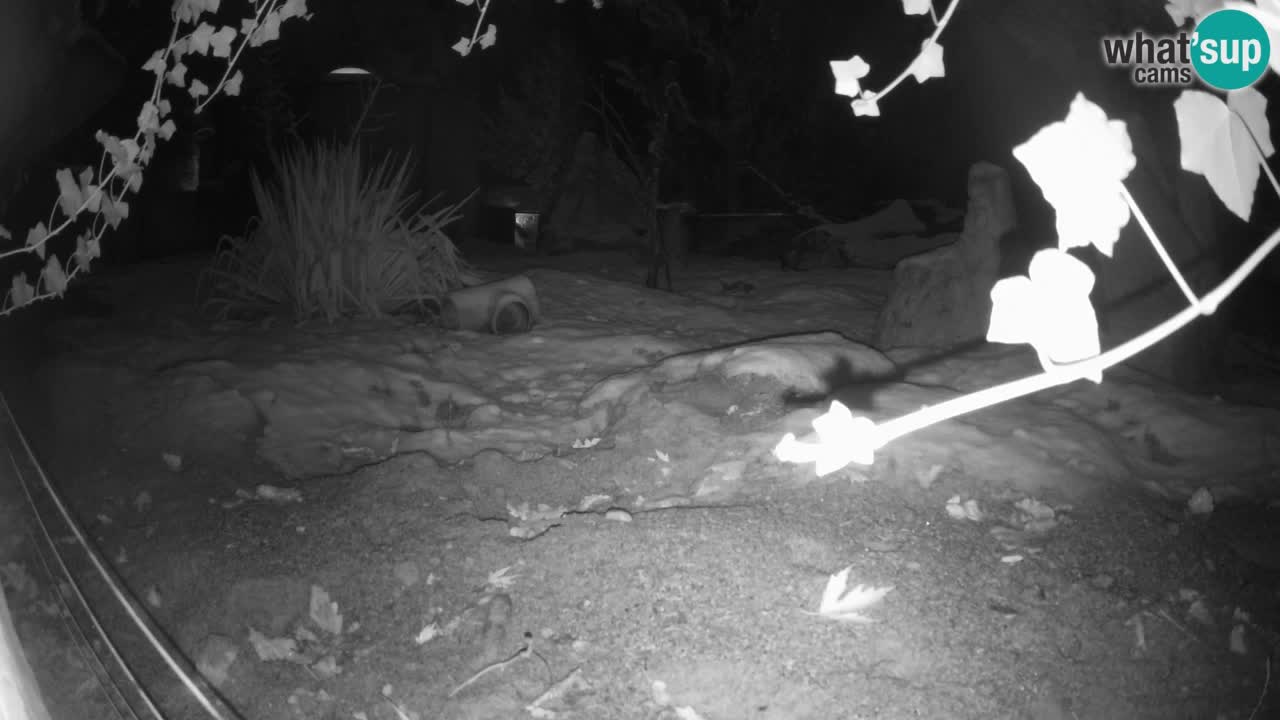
(501, 579)
(840, 602)
(324, 611)
(271, 649)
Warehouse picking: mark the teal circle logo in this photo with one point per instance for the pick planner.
(1231, 49)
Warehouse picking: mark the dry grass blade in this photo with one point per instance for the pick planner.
(335, 238)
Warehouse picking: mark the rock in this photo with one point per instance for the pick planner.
(600, 202)
(942, 298)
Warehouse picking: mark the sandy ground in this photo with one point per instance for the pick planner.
(663, 567)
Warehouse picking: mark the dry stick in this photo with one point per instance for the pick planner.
(523, 652)
(557, 690)
(1265, 684)
(805, 211)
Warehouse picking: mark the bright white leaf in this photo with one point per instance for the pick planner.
(177, 76)
(232, 87)
(1079, 164)
(21, 292)
(293, 9)
(55, 278)
(915, 7)
(198, 90)
(866, 106)
(114, 211)
(1048, 309)
(929, 63)
(844, 439)
(268, 31)
(467, 3)
(840, 602)
(84, 252)
(848, 73)
(93, 198)
(167, 130)
(155, 63)
(841, 439)
(489, 37)
(200, 37)
(36, 237)
(462, 47)
(148, 117)
(1216, 145)
(220, 42)
(69, 197)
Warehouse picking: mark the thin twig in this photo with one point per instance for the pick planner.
(523, 652)
(1265, 685)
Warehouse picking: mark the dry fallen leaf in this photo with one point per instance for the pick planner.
(839, 602)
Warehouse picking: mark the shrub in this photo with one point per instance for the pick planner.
(335, 238)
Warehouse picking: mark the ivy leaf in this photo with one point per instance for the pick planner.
(197, 90)
(220, 42)
(148, 147)
(200, 38)
(177, 76)
(269, 30)
(87, 249)
(489, 37)
(93, 198)
(148, 117)
(36, 237)
(69, 197)
(167, 130)
(188, 11)
(114, 211)
(866, 106)
(293, 9)
(1079, 163)
(4, 233)
(1216, 143)
(164, 107)
(155, 63)
(462, 47)
(1049, 309)
(131, 148)
(21, 292)
(466, 3)
(90, 192)
(929, 63)
(232, 87)
(55, 278)
(848, 73)
(180, 47)
(915, 7)
(113, 147)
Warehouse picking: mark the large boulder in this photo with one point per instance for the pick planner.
(942, 298)
(600, 204)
